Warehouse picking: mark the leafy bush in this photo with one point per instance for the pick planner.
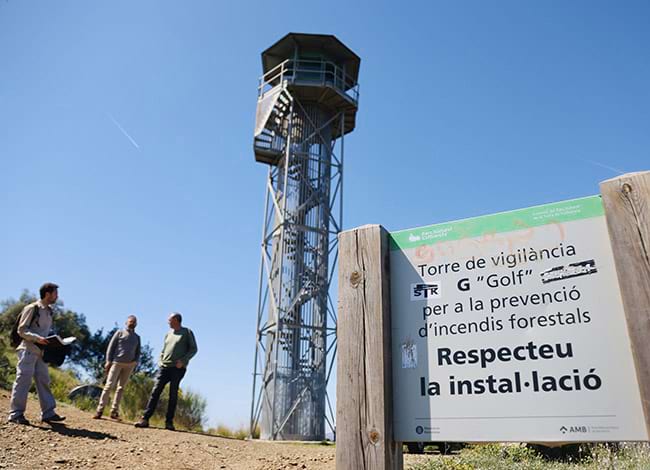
(623, 456)
(62, 382)
(190, 410)
(7, 370)
(242, 433)
(221, 430)
(85, 403)
(627, 456)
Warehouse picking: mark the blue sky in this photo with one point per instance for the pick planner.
(126, 142)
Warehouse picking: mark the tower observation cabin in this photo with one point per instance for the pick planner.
(308, 98)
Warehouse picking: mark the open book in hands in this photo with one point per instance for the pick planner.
(55, 341)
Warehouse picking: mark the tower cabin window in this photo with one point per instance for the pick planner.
(315, 68)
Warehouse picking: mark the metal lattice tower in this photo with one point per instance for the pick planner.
(307, 101)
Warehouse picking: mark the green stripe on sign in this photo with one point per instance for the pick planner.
(520, 219)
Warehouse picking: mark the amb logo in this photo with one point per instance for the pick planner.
(573, 429)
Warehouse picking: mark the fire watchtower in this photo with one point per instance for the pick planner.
(307, 101)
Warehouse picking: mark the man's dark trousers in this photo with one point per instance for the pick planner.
(173, 376)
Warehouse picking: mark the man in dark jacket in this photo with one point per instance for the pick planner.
(179, 347)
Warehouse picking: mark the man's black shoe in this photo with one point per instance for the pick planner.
(170, 426)
(18, 420)
(55, 418)
(143, 423)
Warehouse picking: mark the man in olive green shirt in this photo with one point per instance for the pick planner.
(179, 347)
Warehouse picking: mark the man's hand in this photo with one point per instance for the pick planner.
(107, 367)
(42, 341)
(179, 364)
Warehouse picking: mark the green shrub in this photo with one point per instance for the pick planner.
(62, 382)
(221, 430)
(487, 456)
(86, 403)
(190, 410)
(625, 456)
(241, 433)
(7, 369)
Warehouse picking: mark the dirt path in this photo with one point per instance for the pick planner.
(104, 444)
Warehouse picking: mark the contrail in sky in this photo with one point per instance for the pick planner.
(135, 144)
(615, 170)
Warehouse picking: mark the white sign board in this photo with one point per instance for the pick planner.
(510, 327)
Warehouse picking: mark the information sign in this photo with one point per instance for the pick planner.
(510, 327)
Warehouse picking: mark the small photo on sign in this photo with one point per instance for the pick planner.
(409, 355)
(425, 290)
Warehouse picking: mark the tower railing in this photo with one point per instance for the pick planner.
(310, 72)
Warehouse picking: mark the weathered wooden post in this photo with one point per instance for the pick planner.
(364, 418)
(627, 208)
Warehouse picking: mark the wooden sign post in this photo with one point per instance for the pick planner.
(364, 407)
(365, 439)
(627, 210)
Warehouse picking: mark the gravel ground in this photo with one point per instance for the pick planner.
(105, 444)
